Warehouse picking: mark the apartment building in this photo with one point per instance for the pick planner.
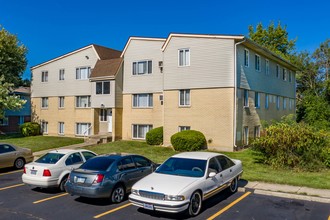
(221, 85)
(75, 94)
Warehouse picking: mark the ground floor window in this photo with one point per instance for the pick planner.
(4, 121)
(184, 128)
(103, 114)
(257, 131)
(83, 128)
(61, 127)
(44, 127)
(140, 131)
(246, 135)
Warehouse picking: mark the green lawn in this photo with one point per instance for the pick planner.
(39, 143)
(253, 170)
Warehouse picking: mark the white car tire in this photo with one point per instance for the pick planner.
(233, 185)
(195, 204)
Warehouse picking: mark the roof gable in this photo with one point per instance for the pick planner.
(106, 68)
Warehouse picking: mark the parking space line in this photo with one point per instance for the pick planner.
(50, 198)
(16, 171)
(13, 186)
(112, 210)
(229, 206)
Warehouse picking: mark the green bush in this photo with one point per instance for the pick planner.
(189, 140)
(30, 129)
(294, 145)
(155, 136)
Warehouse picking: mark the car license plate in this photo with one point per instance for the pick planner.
(81, 180)
(33, 172)
(148, 206)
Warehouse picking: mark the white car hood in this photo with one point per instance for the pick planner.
(163, 183)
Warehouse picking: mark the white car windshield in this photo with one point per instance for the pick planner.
(183, 167)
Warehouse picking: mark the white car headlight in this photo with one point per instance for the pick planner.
(174, 198)
(135, 192)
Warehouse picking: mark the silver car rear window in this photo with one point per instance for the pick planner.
(97, 163)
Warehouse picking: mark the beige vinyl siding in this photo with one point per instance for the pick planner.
(70, 86)
(140, 50)
(119, 88)
(211, 63)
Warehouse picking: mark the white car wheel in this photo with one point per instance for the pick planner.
(195, 204)
(233, 185)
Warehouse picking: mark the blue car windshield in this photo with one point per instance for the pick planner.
(183, 167)
(50, 158)
(97, 163)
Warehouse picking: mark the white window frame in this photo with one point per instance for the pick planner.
(257, 62)
(246, 58)
(102, 92)
(44, 76)
(142, 67)
(79, 102)
(61, 100)
(284, 76)
(257, 131)
(184, 98)
(80, 131)
(138, 103)
(246, 98)
(44, 102)
(61, 128)
(79, 75)
(136, 133)
(256, 99)
(61, 74)
(184, 128)
(44, 127)
(185, 59)
(267, 67)
(245, 135)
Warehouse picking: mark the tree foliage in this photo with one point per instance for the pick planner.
(12, 57)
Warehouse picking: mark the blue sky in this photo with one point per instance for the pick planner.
(53, 28)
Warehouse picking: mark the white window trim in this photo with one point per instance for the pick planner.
(59, 102)
(103, 117)
(185, 91)
(184, 63)
(257, 100)
(88, 101)
(150, 105)
(248, 58)
(246, 135)
(44, 73)
(147, 70)
(259, 63)
(267, 67)
(140, 138)
(59, 128)
(88, 127)
(184, 128)
(245, 98)
(44, 107)
(89, 69)
(44, 131)
(278, 71)
(59, 74)
(285, 74)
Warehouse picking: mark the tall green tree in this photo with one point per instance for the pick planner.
(274, 38)
(12, 57)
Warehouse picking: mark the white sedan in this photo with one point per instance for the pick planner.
(52, 169)
(184, 180)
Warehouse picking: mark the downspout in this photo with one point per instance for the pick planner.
(235, 92)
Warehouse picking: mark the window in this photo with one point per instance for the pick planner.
(277, 71)
(256, 100)
(184, 97)
(140, 131)
(141, 161)
(267, 67)
(266, 101)
(142, 100)
(44, 76)
(103, 87)
(257, 62)
(291, 104)
(44, 102)
(61, 127)
(83, 101)
(225, 163)
(246, 57)
(284, 74)
(257, 131)
(246, 98)
(184, 57)
(103, 115)
(277, 102)
(61, 102)
(214, 165)
(246, 135)
(83, 72)
(290, 76)
(142, 67)
(184, 128)
(4, 121)
(74, 158)
(83, 129)
(4, 148)
(88, 155)
(284, 103)
(126, 164)
(61, 74)
(44, 127)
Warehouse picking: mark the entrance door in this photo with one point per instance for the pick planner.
(109, 120)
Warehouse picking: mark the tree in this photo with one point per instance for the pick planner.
(276, 39)
(12, 57)
(8, 101)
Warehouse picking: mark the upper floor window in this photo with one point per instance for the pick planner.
(44, 76)
(83, 72)
(257, 100)
(246, 98)
(284, 74)
(277, 71)
(142, 100)
(257, 62)
(83, 101)
(267, 67)
(246, 57)
(61, 102)
(184, 97)
(184, 57)
(103, 87)
(61, 74)
(44, 102)
(142, 67)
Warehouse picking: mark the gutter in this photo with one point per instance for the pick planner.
(235, 91)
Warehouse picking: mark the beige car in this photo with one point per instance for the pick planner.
(13, 156)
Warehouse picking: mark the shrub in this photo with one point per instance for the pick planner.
(189, 140)
(30, 129)
(294, 145)
(155, 136)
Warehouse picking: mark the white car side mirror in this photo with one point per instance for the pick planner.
(212, 174)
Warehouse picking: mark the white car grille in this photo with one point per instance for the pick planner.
(152, 195)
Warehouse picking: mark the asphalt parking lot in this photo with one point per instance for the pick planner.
(18, 201)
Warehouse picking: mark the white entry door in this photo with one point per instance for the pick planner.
(109, 120)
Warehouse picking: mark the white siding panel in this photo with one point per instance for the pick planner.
(211, 63)
(139, 50)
